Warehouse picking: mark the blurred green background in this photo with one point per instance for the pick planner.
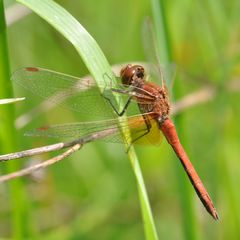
(93, 195)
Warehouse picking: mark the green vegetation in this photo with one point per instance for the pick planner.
(93, 194)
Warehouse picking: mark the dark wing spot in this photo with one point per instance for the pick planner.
(44, 128)
(32, 69)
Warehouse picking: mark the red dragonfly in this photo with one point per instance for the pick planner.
(146, 102)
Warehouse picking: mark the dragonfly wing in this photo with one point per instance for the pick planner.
(145, 130)
(138, 131)
(78, 94)
(157, 71)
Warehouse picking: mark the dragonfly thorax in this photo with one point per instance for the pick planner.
(157, 104)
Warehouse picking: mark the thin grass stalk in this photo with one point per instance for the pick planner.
(8, 136)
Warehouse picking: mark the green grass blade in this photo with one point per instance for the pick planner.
(149, 226)
(75, 33)
(97, 65)
(8, 137)
(161, 30)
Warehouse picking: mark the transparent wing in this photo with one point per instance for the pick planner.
(78, 94)
(139, 132)
(159, 73)
(73, 93)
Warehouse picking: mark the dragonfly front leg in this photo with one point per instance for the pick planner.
(108, 95)
(110, 100)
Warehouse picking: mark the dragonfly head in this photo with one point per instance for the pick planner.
(132, 74)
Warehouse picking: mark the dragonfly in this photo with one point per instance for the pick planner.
(144, 113)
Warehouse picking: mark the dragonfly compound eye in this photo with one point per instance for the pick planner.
(130, 72)
(139, 72)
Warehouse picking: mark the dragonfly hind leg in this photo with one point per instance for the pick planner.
(146, 131)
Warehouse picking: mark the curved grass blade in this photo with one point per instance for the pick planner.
(98, 66)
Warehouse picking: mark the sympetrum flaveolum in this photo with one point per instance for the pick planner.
(149, 117)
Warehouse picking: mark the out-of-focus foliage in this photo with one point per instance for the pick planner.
(93, 194)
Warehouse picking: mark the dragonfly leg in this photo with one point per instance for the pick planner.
(146, 131)
(109, 89)
(114, 107)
